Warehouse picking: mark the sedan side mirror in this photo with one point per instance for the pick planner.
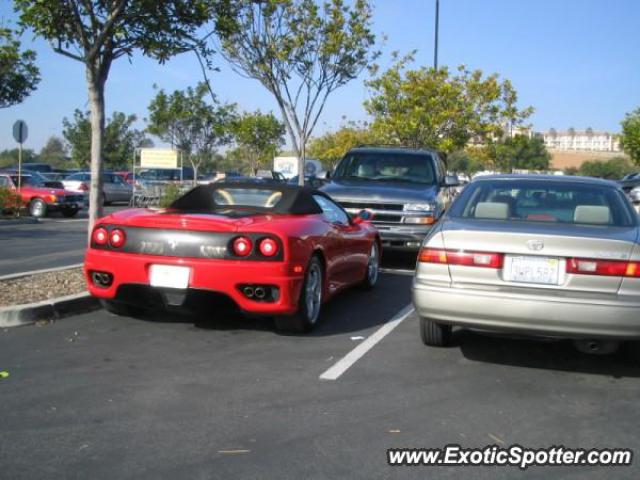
(363, 216)
(328, 175)
(451, 181)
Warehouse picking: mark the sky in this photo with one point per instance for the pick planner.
(576, 62)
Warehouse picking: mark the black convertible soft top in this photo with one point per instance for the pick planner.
(295, 200)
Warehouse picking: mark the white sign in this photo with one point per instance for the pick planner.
(288, 166)
(158, 158)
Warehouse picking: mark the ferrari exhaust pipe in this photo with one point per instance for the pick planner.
(248, 292)
(260, 293)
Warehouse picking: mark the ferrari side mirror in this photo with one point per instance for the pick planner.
(363, 216)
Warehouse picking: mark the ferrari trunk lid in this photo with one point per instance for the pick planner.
(182, 221)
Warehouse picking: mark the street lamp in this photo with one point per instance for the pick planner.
(435, 47)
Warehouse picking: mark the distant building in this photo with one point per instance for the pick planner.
(581, 140)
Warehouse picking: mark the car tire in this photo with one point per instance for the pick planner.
(38, 208)
(372, 272)
(435, 334)
(310, 303)
(121, 309)
(69, 212)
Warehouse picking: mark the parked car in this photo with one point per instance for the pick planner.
(165, 175)
(406, 189)
(309, 180)
(40, 199)
(34, 167)
(114, 189)
(49, 180)
(269, 249)
(536, 255)
(126, 176)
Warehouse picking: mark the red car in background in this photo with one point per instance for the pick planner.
(42, 200)
(270, 249)
(126, 176)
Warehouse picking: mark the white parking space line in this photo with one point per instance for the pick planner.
(357, 353)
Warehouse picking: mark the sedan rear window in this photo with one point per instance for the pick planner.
(540, 201)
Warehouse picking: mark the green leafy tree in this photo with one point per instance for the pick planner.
(301, 53)
(612, 169)
(9, 158)
(120, 139)
(187, 121)
(332, 146)
(98, 32)
(630, 137)
(469, 160)
(54, 153)
(439, 108)
(520, 153)
(19, 75)
(259, 135)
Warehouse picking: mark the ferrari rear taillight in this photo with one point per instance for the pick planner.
(610, 268)
(461, 257)
(268, 247)
(242, 246)
(100, 236)
(117, 238)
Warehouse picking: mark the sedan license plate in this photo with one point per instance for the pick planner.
(169, 276)
(529, 269)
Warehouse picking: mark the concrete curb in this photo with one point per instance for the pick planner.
(13, 276)
(19, 221)
(53, 309)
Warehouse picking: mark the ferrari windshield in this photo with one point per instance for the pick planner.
(387, 167)
(246, 197)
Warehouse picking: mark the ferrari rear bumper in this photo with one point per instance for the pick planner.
(225, 277)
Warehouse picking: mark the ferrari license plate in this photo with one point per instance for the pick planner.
(528, 269)
(169, 276)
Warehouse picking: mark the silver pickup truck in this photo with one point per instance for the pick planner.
(406, 189)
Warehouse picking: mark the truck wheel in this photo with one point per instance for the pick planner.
(69, 212)
(306, 318)
(434, 334)
(37, 208)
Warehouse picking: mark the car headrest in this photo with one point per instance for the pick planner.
(495, 210)
(593, 214)
(366, 170)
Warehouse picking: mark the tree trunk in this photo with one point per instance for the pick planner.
(95, 84)
(303, 151)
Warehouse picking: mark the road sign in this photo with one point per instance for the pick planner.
(20, 131)
(158, 158)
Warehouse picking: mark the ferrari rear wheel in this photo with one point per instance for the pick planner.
(306, 318)
(373, 267)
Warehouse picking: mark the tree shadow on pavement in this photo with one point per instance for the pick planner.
(546, 354)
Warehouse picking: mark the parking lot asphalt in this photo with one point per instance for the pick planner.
(53, 242)
(99, 396)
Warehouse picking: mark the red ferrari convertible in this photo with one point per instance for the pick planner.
(275, 250)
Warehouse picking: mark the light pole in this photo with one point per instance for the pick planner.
(435, 47)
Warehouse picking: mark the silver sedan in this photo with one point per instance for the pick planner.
(536, 255)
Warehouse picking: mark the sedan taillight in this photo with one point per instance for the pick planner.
(461, 257)
(609, 268)
(83, 187)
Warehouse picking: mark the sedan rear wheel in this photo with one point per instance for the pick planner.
(434, 334)
(38, 208)
(306, 318)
